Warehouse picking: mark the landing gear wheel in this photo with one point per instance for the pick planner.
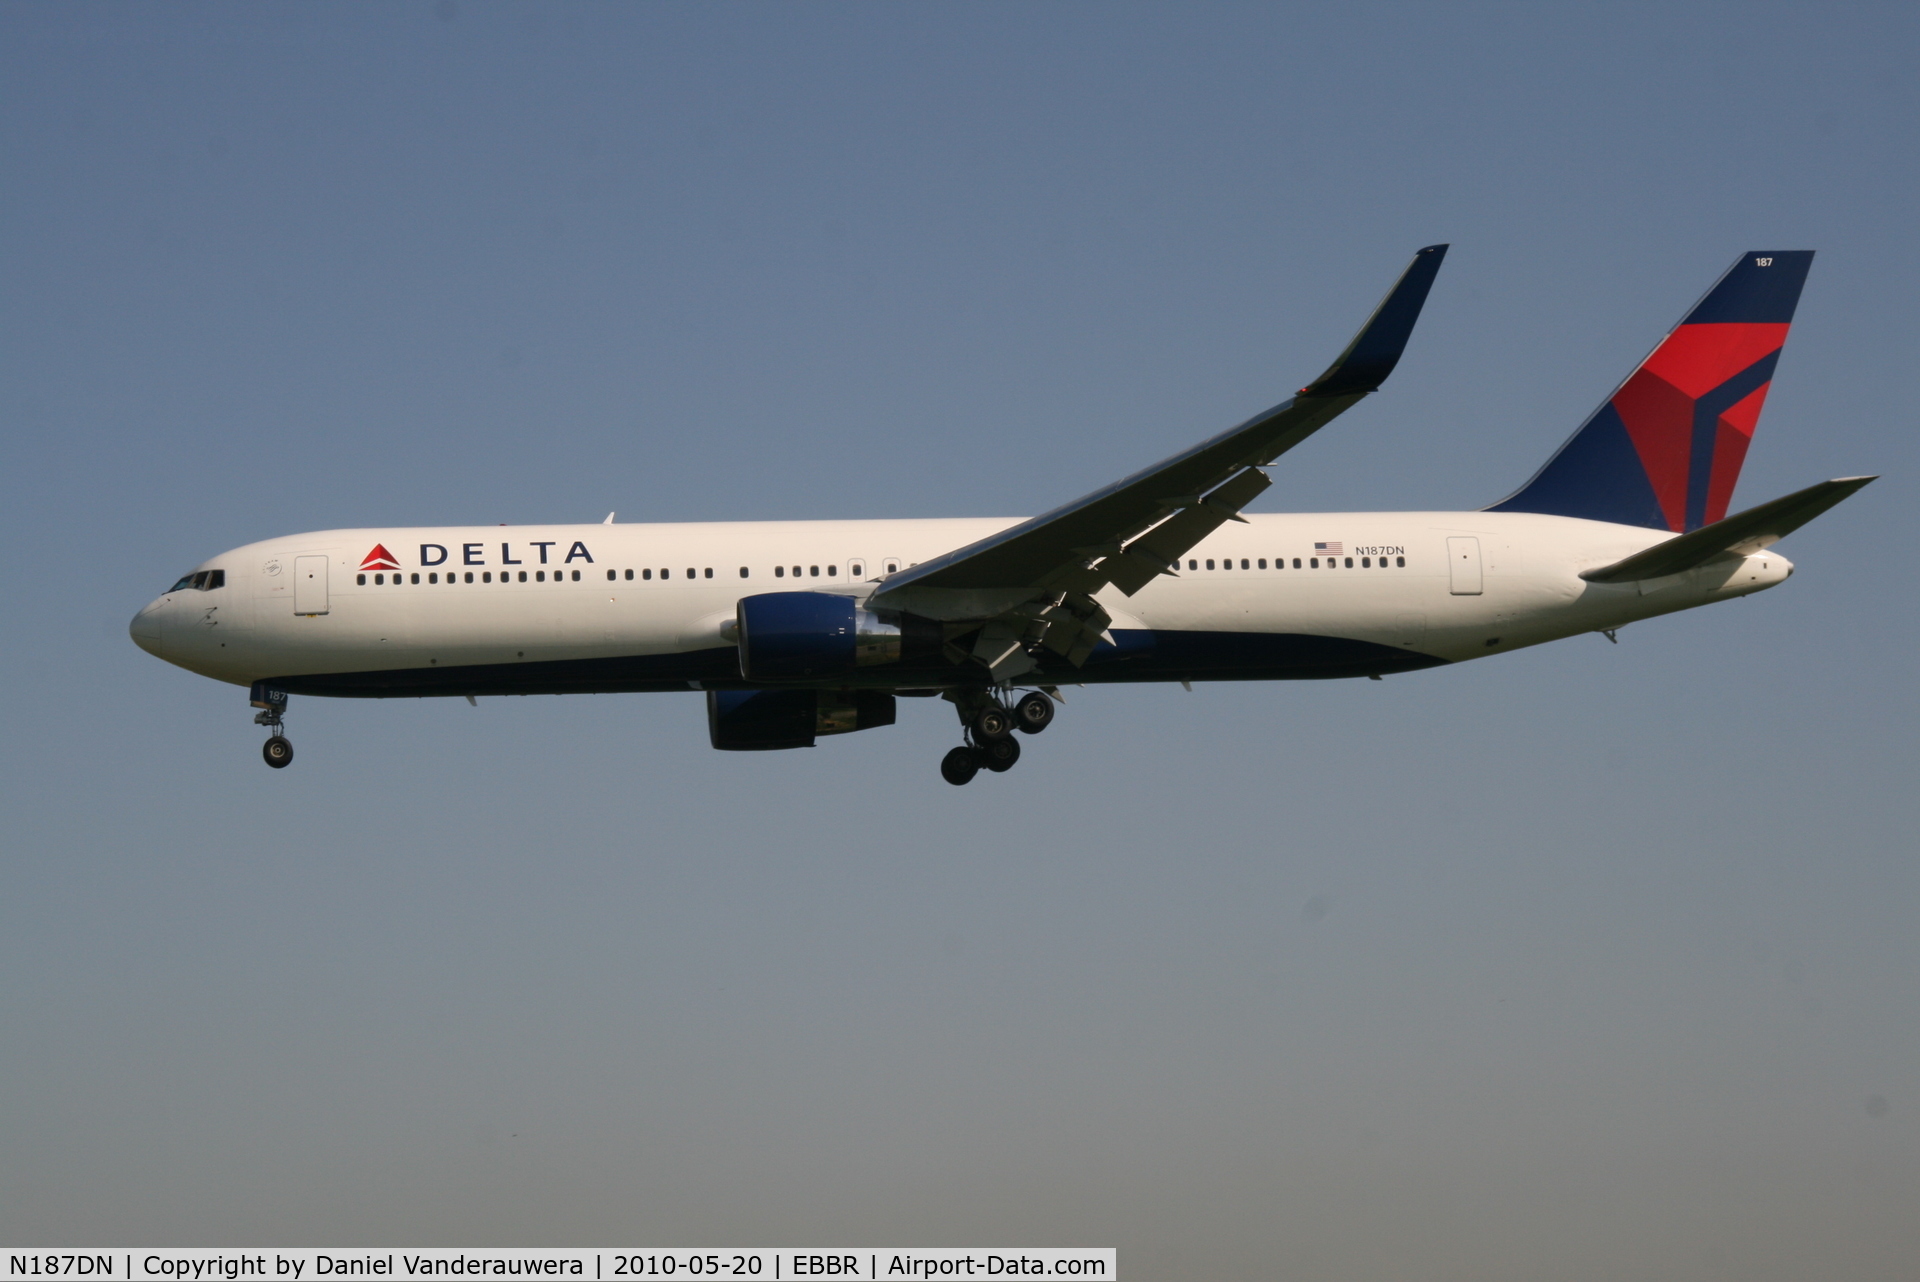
(1033, 713)
(999, 754)
(278, 752)
(959, 766)
(992, 722)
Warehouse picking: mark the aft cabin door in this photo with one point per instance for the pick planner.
(310, 585)
(1463, 565)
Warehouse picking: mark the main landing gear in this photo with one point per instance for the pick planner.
(277, 750)
(990, 722)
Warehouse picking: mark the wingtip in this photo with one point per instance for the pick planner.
(1377, 348)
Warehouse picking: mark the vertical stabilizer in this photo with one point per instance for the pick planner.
(1665, 449)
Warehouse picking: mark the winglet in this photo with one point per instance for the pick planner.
(1376, 349)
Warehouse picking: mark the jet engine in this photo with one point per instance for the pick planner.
(754, 720)
(797, 636)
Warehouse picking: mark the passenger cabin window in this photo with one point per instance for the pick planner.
(814, 570)
(779, 571)
(1193, 565)
(709, 572)
(856, 569)
(1263, 562)
(576, 576)
(1296, 562)
(743, 571)
(629, 576)
(892, 567)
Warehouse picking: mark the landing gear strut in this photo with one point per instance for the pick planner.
(277, 750)
(989, 722)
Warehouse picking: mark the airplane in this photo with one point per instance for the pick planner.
(799, 630)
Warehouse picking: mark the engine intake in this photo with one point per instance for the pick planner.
(762, 720)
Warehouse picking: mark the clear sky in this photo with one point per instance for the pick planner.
(1587, 962)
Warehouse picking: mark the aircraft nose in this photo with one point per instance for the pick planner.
(145, 629)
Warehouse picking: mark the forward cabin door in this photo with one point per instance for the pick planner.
(310, 585)
(1463, 565)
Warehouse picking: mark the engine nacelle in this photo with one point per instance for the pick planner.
(798, 636)
(757, 720)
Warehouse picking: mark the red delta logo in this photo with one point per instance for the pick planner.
(379, 559)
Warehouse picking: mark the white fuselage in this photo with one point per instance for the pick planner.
(493, 608)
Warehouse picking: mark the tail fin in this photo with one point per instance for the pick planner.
(1665, 449)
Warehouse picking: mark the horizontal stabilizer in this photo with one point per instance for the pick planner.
(1745, 532)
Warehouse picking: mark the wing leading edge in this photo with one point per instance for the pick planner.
(1044, 570)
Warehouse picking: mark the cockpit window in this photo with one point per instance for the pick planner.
(201, 581)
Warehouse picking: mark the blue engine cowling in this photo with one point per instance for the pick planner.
(756, 720)
(800, 636)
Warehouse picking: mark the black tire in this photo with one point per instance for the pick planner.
(1000, 755)
(959, 766)
(278, 752)
(992, 722)
(1033, 713)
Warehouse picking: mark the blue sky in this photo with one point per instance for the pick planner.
(1587, 962)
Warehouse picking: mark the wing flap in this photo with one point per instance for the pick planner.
(1159, 550)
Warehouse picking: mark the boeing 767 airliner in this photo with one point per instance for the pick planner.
(799, 629)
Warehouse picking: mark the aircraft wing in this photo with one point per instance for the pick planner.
(1043, 571)
(1745, 532)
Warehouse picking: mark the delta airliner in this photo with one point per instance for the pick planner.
(800, 629)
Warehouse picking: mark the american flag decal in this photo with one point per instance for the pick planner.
(1330, 549)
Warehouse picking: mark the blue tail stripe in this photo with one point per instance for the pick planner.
(1706, 430)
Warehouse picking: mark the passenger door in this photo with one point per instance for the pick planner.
(310, 584)
(1463, 565)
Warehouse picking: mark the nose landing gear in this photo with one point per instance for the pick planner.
(989, 722)
(277, 750)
